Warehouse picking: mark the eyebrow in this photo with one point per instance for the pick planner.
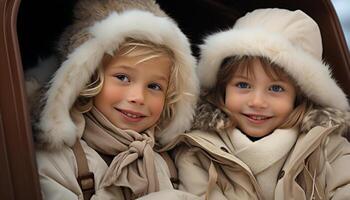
(279, 79)
(128, 68)
(161, 78)
(240, 76)
(123, 66)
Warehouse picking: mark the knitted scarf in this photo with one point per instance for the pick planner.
(266, 156)
(133, 163)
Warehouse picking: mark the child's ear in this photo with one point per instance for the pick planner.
(106, 59)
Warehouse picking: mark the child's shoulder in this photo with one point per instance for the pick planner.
(208, 117)
(326, 117)
(55, 161)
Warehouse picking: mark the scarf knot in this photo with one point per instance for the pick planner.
(133, 165)
(138, 146)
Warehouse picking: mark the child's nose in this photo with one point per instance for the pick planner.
(136, 95)
(257, 100)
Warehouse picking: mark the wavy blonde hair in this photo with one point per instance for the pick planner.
(147, 50)
(231, 65)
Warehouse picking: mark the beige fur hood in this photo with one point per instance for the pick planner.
(99, 27)
(290, 39)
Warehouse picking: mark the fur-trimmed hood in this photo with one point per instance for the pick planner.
(210, 118)
(290, 39)
(99, 27)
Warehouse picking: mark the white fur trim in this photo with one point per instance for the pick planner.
(313, 76)
(107, 35)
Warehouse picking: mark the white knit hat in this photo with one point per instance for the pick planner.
(99, 28)
(290, 39)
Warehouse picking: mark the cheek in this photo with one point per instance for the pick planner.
(228, 96)
(108, 94)
(100, 99)
(157, 106)
(286, 107)
(231, 100)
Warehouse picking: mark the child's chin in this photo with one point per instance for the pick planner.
(255, 134)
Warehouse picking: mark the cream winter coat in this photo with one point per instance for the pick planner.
(58, 172)
(99, 28)
(315, 168)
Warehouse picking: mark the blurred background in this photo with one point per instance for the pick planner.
(343, 10)
(38, 35)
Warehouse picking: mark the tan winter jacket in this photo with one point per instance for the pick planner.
(316, 167)
(58, 172)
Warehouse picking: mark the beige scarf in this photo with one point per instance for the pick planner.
(266, 156)
(133, 163)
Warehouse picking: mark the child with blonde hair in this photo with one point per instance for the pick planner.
(125, 88)
(271, 117)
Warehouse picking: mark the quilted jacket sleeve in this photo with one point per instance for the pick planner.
(193, 176)
(170, 194)
(57, 176)
(338, 163)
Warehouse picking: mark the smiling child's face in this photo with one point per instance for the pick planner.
(258, 103)
(134, 92)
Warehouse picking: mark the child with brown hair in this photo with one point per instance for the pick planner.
(125, 88)
(270, 121)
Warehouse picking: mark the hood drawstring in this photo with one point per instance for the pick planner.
(213, 176)
(314, 185)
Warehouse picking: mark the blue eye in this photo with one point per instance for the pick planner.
(276, 88)
(243, 85)
(154, 86)
(122, 77)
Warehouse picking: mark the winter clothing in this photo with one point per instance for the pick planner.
(223, 164)
(217, 162)
(290, 39)
(127, 146)
(264, 157)
(58, 172)
(100, 26)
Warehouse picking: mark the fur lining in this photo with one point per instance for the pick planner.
(88, 12)
(57, 127)
(209, 118)
(311, 75)
(36, 77)
(290, 39)
(327, 117)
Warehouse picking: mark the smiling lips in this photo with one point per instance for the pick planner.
(257, 119)
(131, 116)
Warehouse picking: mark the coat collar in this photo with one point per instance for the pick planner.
(305, 145)
(266, 152)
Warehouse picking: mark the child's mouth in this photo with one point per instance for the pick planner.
(258, 119)
(131, 115)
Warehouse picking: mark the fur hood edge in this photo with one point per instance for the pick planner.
(85, 49)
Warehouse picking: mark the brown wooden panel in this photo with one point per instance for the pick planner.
(6, 191)
(18, 170)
